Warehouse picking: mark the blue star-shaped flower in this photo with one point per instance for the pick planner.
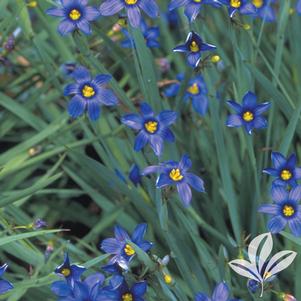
(193, 47)
(71, 272)
(220, 293)
(122, 292)
(76, 15)
(242, 6)
(284, 170)
(90, 289)
(285, 210)
(5, 285)
(89, 94)
(119, 247)
(264, 10)
(152, 129)
(196, 91)
(248, 114)
(192, 7)
(132, 7)
(150, 34)
(176, 173)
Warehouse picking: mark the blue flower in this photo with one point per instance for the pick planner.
(76, 15)
(88, 290)
(285, 210)
(124, 293)
(39, 224)
(192, 7)
(176, 173)
(135, 175)
(193, 47)
(284, 169)
(197, 91)
(150, 34)
(248, 114)
(220, 293)
(71, 272)
(88, 94)
(152, 129)
(298, 7)
(5, 285)
(241, 6)
(132, 7)
(264, 10)
(121, 249)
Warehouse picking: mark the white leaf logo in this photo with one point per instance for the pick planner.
(259, 268)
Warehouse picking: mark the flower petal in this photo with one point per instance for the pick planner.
(297, 173)
(151, 169)
(111, 7)
(76, 106)
(150, 7)
(156, 143)
(166, 118)
(295, 226)
(111, 246)
(295, 193)
(71, 89)
(201, 297)
(185, 162)
(194, 181)
(107, 97)
(55, 12)
(146, 110)
(279, 193)
(235, 106)
(221, 292)
(139, 289)
(164, 180)
(276, 224)
(184, 193)
(140, 141)
(191, 11)
(249, 100)
(234, 121)
(200, 104)
(84, 26)
(133, 121)
(260, 122)
(278, 160)
(261, 108)
(66, 27)
(269, 209)
(134, 16)
(5, 286)
(193, 59)
(92, 13)
(139, 233)
(181, 48)
(168, 135)
(102, 79)
(93, 110)
(176, 3)
(81, 74)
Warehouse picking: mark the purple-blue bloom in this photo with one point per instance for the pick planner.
(71, 272)
(88, 290)
(285, 210)
(264, 10)
(89, 94)
(248, 114)
(298, 7)
(193, 47)
(284, 169)
(197, 91)
(120, 248)
(132, 7)
(151, 129)
(220, 293)
(135, 175)
(150, 34)
(122, 292)
(242, 6)
(176, 173)
(192, 7)
(76, 14)
(5, 285)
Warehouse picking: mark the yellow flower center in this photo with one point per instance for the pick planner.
(258, 3)
(194, 89)
(151, 126)
(88, 91)
(167, 279)
(66, 272)
(127, 297)
(130, 2)
(129, 251)
(248, 116)
(197, 1)
(194, 47)
(176, 175)
(288, 210)
(74, 14)
(235, 3)
(286, 174)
